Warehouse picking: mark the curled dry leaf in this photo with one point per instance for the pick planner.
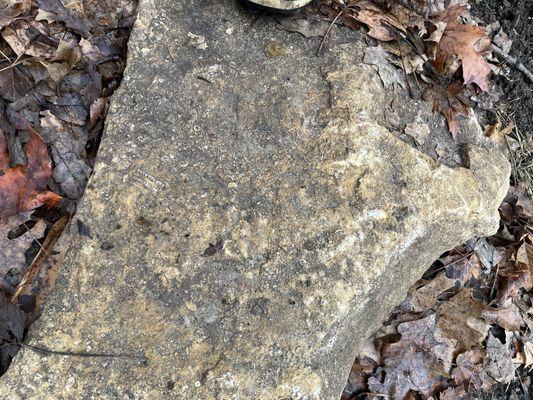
(23, 188)
(516, 276)
(507, 316)
(381, 24)
(528, 353)
(97, 110)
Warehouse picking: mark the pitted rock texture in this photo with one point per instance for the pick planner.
(252, 217)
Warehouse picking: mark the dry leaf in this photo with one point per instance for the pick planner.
(13, 83)
(424, 294)
(508, 316)
(460, 319)
(410, 363)
(498, 363)
(460, 40)
(518, 275)
(56, 70)
(13, 10)
(528, 354)
(12, 257)
(97, 110)
(74, 22)
(408, 17)
(499, 136)
(471, 371)
(68, 145)
(381, 24)
(304, 26)
(450, 103)
(501, 39)
(23, 188)
(68, 51)
(388, 73)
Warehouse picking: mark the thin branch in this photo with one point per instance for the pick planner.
(80, 354)
(40, 258)
(328, 31)
(404, 69)
(514, 62)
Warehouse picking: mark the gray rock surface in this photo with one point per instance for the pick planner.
(252, 218)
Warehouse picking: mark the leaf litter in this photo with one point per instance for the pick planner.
(434, 42)
(465, 330)
(59, 64)
(469, 322)
(62, 62)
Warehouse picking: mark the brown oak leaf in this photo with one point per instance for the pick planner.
(23, 187)
(460, 40)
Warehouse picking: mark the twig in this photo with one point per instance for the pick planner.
(495, 281)
(404, 69)
(80, 354)
(514, 62)
(41, 257)
(328, 31)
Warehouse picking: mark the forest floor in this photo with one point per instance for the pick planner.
(463, 331)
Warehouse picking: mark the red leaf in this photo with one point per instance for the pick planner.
(23, 187)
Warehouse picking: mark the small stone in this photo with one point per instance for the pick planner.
(274, 49)
(197, 41)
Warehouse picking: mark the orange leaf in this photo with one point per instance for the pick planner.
(460, 40)
(23, 187)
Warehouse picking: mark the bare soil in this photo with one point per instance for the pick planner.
(516, 19)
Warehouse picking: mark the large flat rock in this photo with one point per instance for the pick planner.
(252, 218)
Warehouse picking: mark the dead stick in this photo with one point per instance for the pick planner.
(330, 27)
(41, 257)
(82, 354)
(514, 62)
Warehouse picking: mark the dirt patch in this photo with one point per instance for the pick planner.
(515, 19)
